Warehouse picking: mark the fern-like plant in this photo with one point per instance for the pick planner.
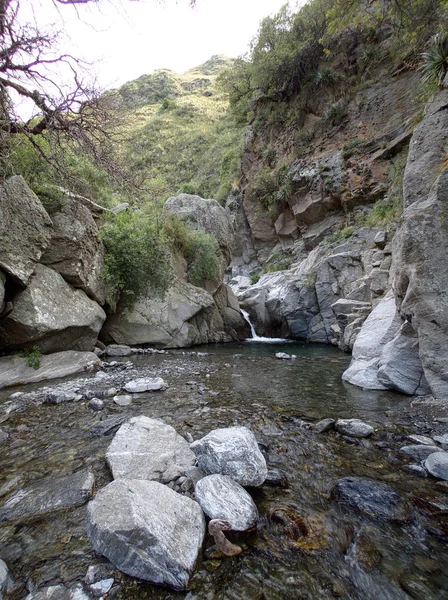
(435, 60)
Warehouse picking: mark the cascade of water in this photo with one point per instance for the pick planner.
(257, 338)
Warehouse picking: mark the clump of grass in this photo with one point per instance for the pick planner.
(32, 356)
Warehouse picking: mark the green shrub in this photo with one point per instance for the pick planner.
(32, 356)
(325, 76)
(343, 234)
(203, 258)
(350, 148)
(254, 277)
(435, 60)
(137, 257)
(335, 114)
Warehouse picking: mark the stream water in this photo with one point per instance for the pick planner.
(346, 555)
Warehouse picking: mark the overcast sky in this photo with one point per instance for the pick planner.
(128, 39)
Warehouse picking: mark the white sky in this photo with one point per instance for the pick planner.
(127, 39)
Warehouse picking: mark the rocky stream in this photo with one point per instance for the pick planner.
(321, 532)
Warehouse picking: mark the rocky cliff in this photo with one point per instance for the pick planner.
(328, 253)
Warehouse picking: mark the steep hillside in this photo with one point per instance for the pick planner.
(180, 135)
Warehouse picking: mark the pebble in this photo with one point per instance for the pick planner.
(101, 587)
(124, 400)
(96, 404)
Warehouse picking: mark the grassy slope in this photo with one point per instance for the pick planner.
(181, 136)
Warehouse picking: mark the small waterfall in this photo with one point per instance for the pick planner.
(257, 338)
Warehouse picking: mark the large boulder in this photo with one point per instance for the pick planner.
(75, 250)
(421, 282)
(47, 496)
(52, 315)
(400, 367)
(208, 215)
(147, 530)
(231, 451)
(186, 316)
(145, 448)
(379, 328)
(223, 498)
(25, 229)
(15, 370)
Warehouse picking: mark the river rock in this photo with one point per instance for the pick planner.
(14, 370)
(6, 580)
(372, 498)
(231, 451)
(418, 451)
(324, 425)
(145, 448)
(400, 367)
(25, 229)
(123, 400)
(75, 250)
(52, 315)
(379, 328)
(3, 436)
(147, 530)
(60, 592)
(442, 439)
(220, 497)
(101, 588)
(145, 384)
(108, 426)
(118, 350)
(437, 465)
(353, 428)
(96, 404)
(47, 496)
(421, 439)
(283, 355)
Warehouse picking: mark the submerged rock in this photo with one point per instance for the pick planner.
(418, 451)
(324, 425)
(147, 448)
(437, 465)
(14, 370)
(60, 592)
(353, 428)
(220, 497)
(369, 497)
(231, 451)
(48, 495)
(118, 350)
(147, 531)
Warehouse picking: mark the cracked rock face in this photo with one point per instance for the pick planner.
(231, 451)
(147, 530)
(145, 448)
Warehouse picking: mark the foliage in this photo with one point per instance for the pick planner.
(335, 114)
(278, 261)
(254, 277)
(435, 60)
(350, 148)
(137, 256)
(325, 76)
(188, 144)
(272, 189)
(342, 234)
(203, 258)
(32, 356)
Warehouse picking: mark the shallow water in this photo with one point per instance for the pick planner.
(344, 555)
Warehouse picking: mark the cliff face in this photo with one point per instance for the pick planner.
(326, 247)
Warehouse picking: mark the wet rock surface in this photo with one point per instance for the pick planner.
(232, 451)
(220, 497)
(224, 387)
(147, 530)
(353, 428)
(373, 498)
(437, 465)
(47, 496)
